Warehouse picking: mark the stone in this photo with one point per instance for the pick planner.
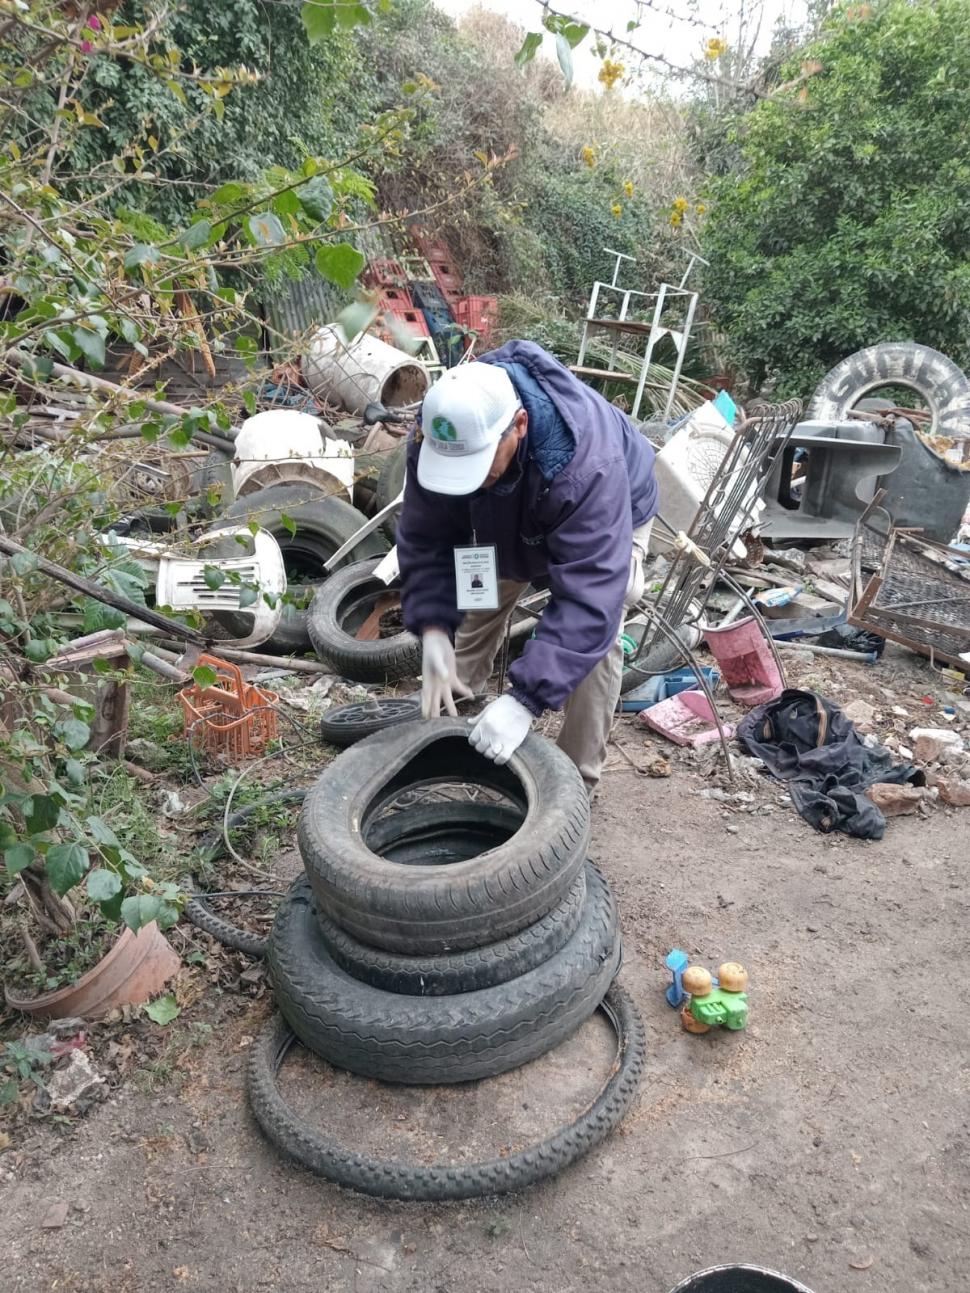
(953, 791)
(930, 742)
(74, 1080)
(895, 800)
(55, 1216)
(861, 713)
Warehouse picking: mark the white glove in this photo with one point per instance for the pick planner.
(500, 729)
(439, 677)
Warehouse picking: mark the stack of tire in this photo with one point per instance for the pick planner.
(443, 942)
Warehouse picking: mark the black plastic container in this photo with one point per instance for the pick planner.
(739, 1279)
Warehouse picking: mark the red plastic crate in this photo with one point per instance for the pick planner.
(381, 272)
(412, 319)
(478, 314)
(395, 299)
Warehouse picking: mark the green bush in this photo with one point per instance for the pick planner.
(848, 219)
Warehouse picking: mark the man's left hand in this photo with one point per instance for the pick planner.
(500, 729)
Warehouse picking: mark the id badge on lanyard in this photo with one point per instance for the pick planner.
(476, 578)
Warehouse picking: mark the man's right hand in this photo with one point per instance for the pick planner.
(439, 676)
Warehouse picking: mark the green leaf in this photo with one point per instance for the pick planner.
(140, 910)
(74, 770)
(142, 253)
(65, 864)
(340, 263)
(204, 675)
(356, 318)
(266, 229)
(319, 19)
(565, 55)
(103, 885)
(91, 345)
(163, 1010)
(129, 330)
(230, 194)
(570, 30)
(249, 399)
(247, 596)
(316, 198)
(529, 47)
(214, 577)
(196, 235)
(17, 857)
(103, 833)
(73, 733)
(41, 813)
(24, 562)
(288, 524)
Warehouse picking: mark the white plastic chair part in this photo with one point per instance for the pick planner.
(181, 582)
(284, 446)
(367, 528)
(389, 568)
(685, 468)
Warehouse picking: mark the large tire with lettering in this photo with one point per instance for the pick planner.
(937, 380)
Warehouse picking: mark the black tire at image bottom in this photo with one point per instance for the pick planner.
(390, 1179)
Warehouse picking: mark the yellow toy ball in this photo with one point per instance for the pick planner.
(697, 981)
(732, 977)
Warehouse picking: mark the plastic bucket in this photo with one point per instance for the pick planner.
(739, 1279)
(365, 371)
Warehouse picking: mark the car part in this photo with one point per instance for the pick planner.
(346, 724)
(355, 625)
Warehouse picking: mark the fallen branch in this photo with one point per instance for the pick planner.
(20, 359)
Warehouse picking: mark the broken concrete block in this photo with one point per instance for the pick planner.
(895, 800)
(77, 1078)
(930, 742)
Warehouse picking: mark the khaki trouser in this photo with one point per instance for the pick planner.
(587, 713)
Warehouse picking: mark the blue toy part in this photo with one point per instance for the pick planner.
(726, 407)
(676, 962)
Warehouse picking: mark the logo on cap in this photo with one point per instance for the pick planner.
(442, 429)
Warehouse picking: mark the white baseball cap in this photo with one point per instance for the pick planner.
(462, 420)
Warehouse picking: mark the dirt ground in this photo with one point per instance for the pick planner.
(830, 1141)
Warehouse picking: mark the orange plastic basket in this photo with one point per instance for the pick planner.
(230, 717)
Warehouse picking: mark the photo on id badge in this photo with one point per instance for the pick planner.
(476, 578)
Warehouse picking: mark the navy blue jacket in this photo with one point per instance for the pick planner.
(563, 515)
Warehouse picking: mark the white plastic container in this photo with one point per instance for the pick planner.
(284, 446)
(361, 372)
(685, 468)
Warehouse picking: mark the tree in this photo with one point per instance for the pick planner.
(847, 221)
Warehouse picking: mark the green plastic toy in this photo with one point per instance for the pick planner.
(725, 1006)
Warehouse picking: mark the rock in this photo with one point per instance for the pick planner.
(147, 753)
(860, 712)
(895, 800)
(953, 791)
(74, 1080)
(55, 1216)
(930, 742)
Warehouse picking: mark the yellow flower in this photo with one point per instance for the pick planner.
(628, 188)
(681, 205)
(616, 209)
(714, 49)
(676, 219)
(610, 73)
(700, 208)
(588, 154)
